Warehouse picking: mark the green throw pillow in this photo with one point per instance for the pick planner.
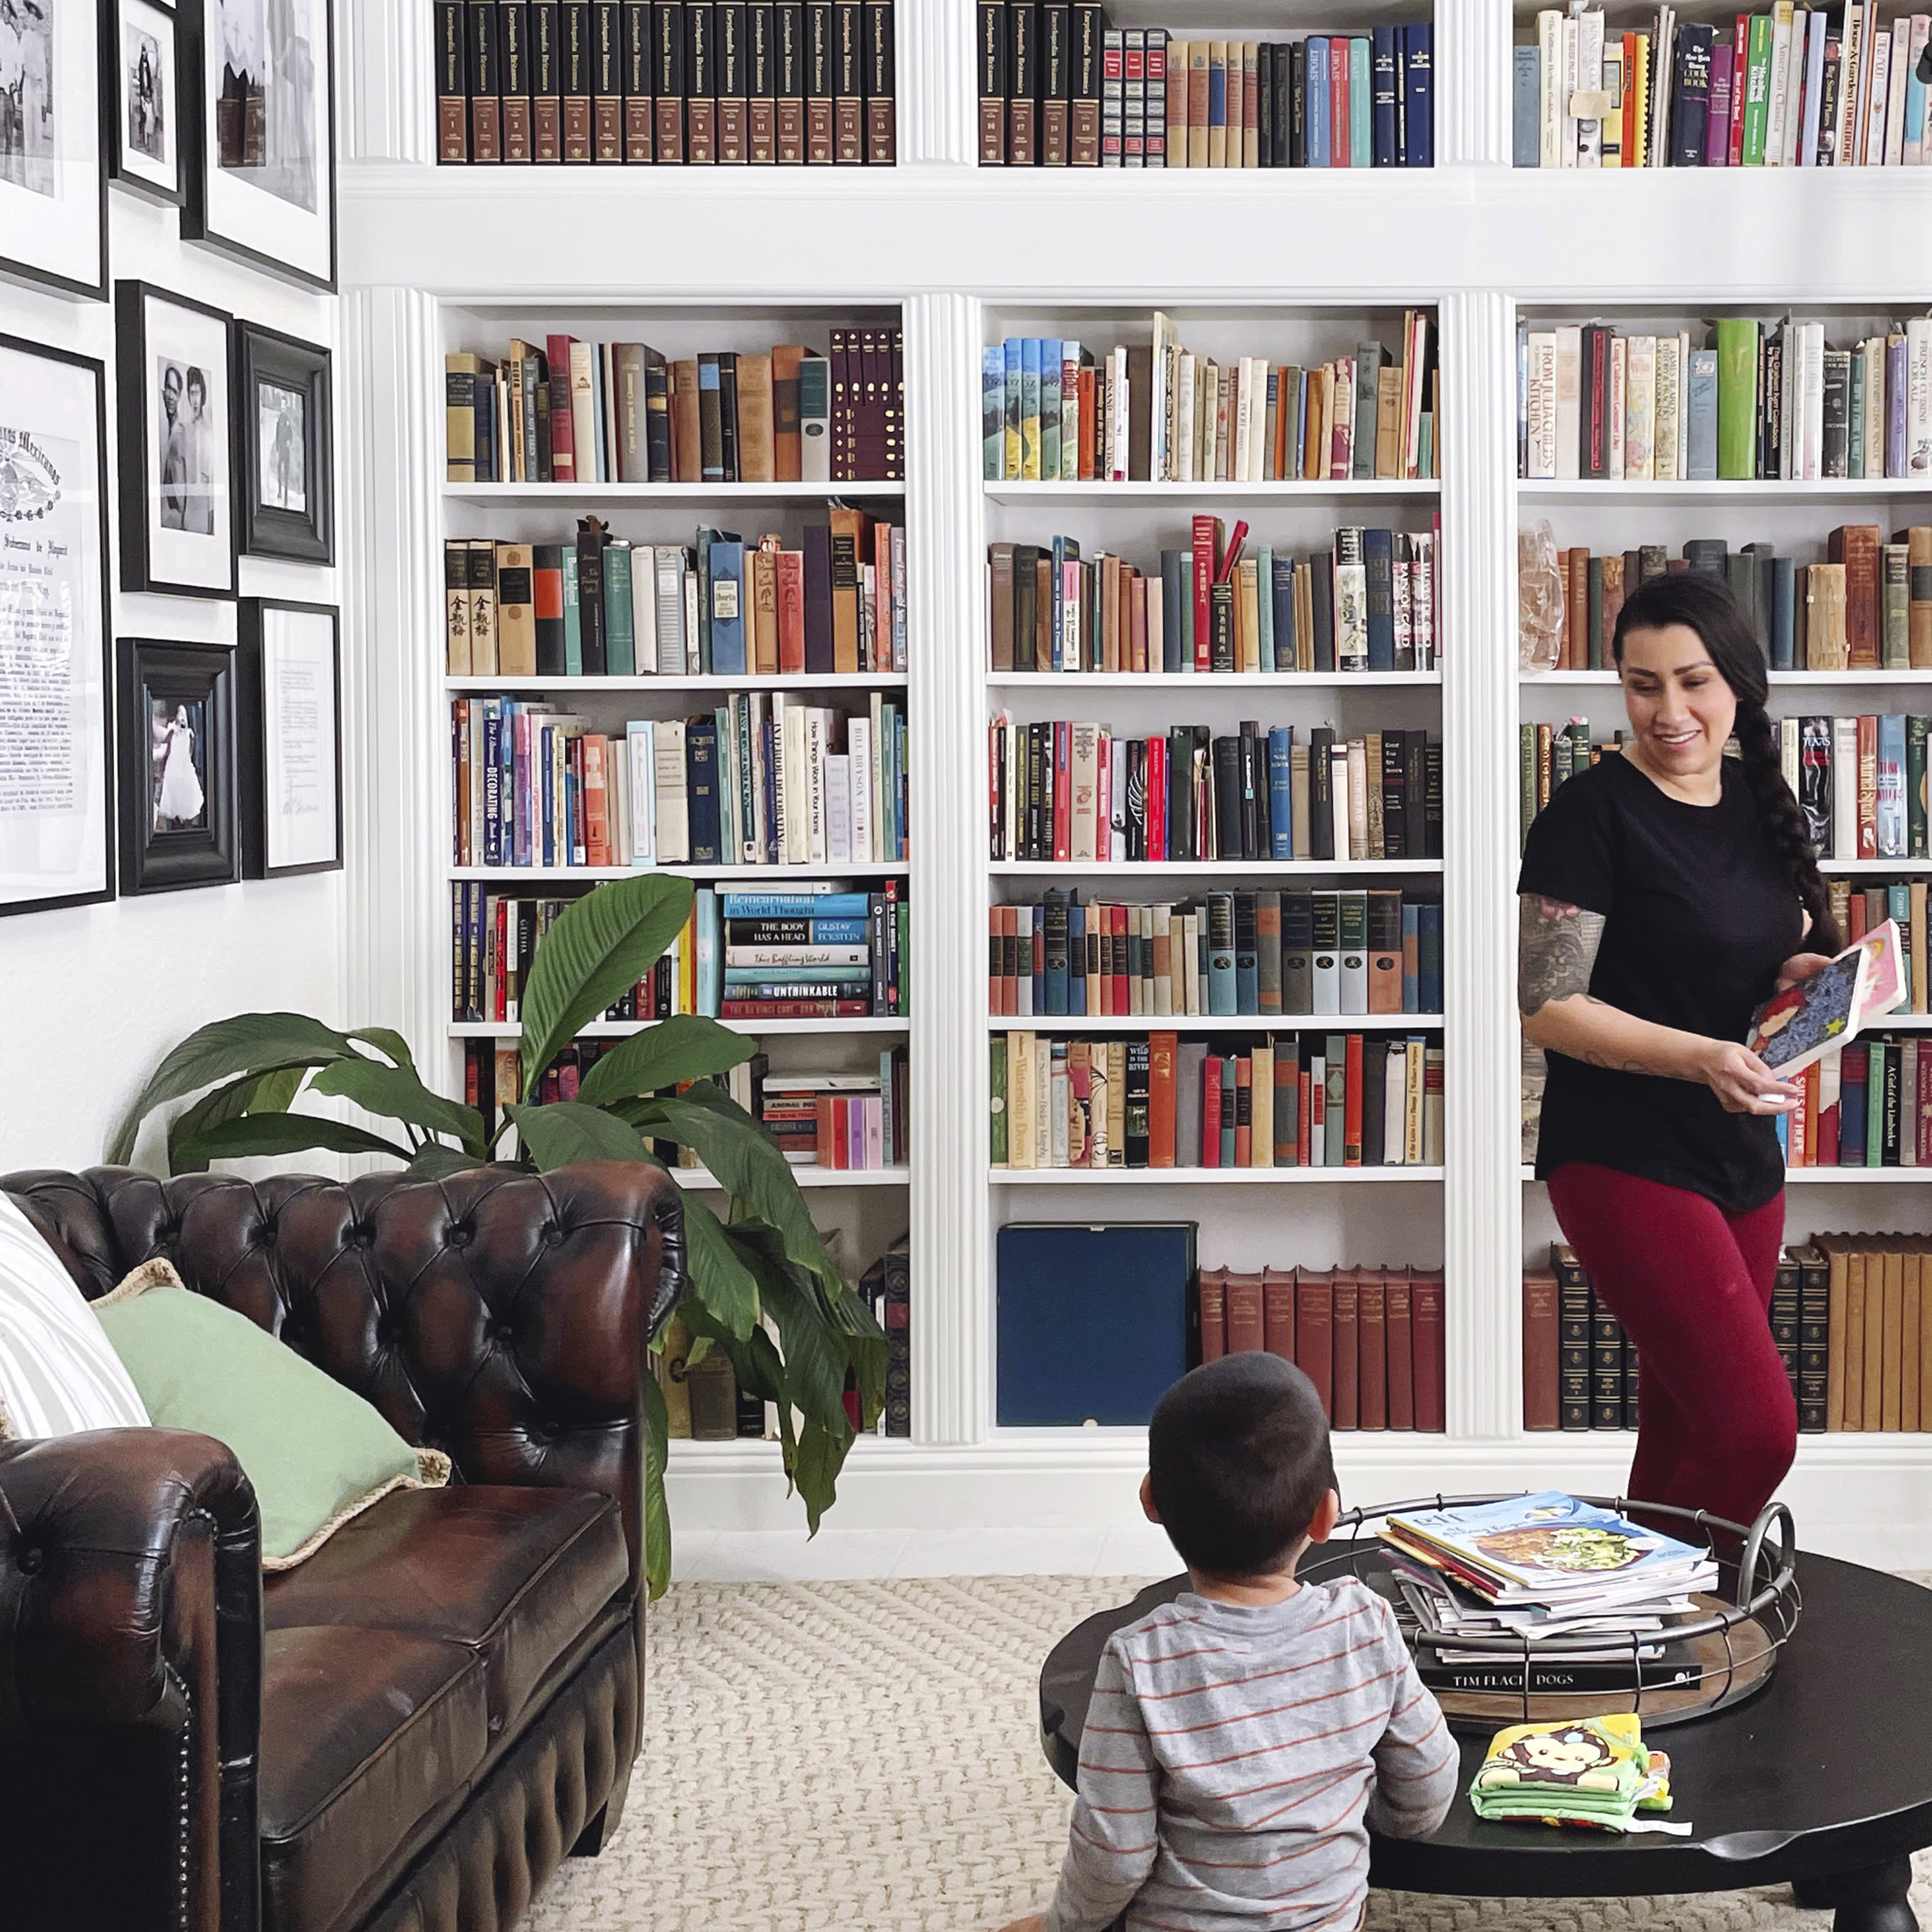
(316, 1453)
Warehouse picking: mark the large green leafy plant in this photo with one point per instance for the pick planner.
(761, 1286)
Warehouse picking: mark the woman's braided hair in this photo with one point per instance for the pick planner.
(1704, 603)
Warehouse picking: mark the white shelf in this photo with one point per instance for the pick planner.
(859, 680)
(1834, 489)
(1205, 1177)
(1872, 868)
(622, 1029)
(666, 493)
(1087, 1023)
(1208, 681)
(701, 1180)
(1167, 868)
(1361, 490)
(773, 877)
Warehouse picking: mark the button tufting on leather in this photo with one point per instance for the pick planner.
(458, 1237)
(553, 1236)
(505, 1333)
(32, 1560)
(363, 1235)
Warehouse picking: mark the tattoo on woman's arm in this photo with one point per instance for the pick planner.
(1556, 951)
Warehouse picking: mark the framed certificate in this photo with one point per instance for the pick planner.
(289, 692)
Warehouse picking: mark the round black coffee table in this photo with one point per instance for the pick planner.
(1822, 1780)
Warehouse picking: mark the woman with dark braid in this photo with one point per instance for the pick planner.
(1665, 892)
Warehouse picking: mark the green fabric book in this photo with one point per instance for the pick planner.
(573, 616)
(620, 657)
(1737, 398)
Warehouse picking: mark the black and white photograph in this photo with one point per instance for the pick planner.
(177, 765)
(283, 465)
(141, 104)
(289, 701)
(265, 188)
(55, 745)
(177, 524)
(53, 178)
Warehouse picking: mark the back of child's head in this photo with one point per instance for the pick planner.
(1239, 1461)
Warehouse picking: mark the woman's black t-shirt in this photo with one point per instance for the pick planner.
(1698, 916)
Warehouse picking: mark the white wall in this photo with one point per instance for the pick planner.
(91, 999)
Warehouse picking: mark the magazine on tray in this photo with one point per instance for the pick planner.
(1819, 1015)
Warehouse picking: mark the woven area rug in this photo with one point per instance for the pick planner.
(862, 1756)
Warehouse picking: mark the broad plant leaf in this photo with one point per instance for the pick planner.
(387, 1041)
(719, 1279)
(248, 1043)
(657, 1512)
(565, 1131)
(266, 1093)
(821, 1455)
(397, 1094)
(435, 1160)
(600, 947)
(685, 1047)
(815, 1353)
(260, 1134)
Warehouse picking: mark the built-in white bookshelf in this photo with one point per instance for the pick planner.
(1272, 262)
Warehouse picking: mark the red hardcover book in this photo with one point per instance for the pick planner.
(1207, 534)
(1063, 791)
(1314, 1332)
(1338, 110)
(1740, 61)
(1347, 1362)
(563, 435)
(794, 1009)
(791, 611)
(1371, 1348)
(1246, 1325)
(1304, 1107)
(1425, 1313)
(1162, 1047)
(1397, 1322)
(1541, 1351)
(1858, 547)
(1210, 1112)
(1244, 1131)
(1278, 1312)
(1117, 922)
(1157, 798)
(1351, 1104)
(1213, 1298)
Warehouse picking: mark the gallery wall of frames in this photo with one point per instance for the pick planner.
(171, 673)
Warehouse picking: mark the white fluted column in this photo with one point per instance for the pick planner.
(938, 103)
(952, 1323)
(1473, 83)
(385, 58)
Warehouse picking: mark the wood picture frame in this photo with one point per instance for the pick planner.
(174, 706)
(140, 98)
(261, 182)
(289, 707)
(284, 463)
(53, 175)
(173, 367)
(56, 725)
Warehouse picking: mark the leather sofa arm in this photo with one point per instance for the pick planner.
(131, 1649)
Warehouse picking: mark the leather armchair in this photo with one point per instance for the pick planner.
(253, 1755)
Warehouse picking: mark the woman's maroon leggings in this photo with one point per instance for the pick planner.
(1717, 1426)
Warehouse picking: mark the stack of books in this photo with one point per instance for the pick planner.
(849, 1121)
(589, 412)
(1326, 1100)
(1067, 791)
(1757, 401)
(1540, 1568)
(1053, 411)
(598, 605)
(1784, 88)
(1370, 1339)
(1368, 603)
(1059, 87)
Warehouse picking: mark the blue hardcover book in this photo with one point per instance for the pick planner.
(727, 607)
(1264, 603)
(700, 762)
(1066, 649)
(1281, 597)
(1361, 103)
(1854, 1064)
(1419, 128)
(1049, 409)
(546, 786)
(1783, 612)
(1411, 957)
(710, 949)
(1093, 1322)
(598, 404)
(768, 737)
(1040, 958)
(1076, 957)
(1317, 100)
(1217, 96)
(1387, 131)
(1701, 427)
(709, 385)
(1013, 348)
(1222, 997)
(1429, 958)
(839, 932)
(1030, 409)
(1173, 578)
(1379, 562)
(993, 412)
(1892, 786)
(1059, 951)
(1281, 791)
(1783, 1136)
(1915, 95)
(1526, 143)
(1247, 971)
(795, 904)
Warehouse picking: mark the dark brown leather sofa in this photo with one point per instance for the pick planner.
(408, 1732)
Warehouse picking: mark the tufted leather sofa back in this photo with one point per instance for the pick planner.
(499, 1316)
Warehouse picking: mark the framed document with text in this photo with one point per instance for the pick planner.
(55, 747)
(289, 690)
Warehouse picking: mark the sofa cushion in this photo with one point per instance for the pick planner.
(514, 1576)
(366, 1734)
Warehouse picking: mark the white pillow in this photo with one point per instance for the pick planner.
(59, 1373)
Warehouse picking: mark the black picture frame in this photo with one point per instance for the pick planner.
(156, 677)
(265, 356)
(122, 168)
(76, 64)
(217, 211)
(100, 584)
(142, 567)
(257, 709)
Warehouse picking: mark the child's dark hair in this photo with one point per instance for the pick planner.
(1704, 603)
(1239, 1461)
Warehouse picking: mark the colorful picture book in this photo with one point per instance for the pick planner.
(1799, 1026)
